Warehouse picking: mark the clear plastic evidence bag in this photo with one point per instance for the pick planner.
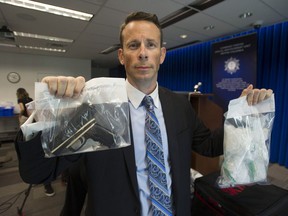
(97, 120)
(247, 134)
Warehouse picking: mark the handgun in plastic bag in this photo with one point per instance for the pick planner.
(79, 129)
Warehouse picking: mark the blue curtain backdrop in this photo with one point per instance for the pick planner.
(185, 67)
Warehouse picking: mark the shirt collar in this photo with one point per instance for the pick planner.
(135, 96)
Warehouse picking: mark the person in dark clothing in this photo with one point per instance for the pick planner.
(76, 189)
(23, 99)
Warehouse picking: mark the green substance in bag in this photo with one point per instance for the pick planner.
(227, 173)
(251, 170)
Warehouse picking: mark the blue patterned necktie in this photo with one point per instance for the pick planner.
(160, 199)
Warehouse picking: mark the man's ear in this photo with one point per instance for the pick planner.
(163, 54)
(120, 56)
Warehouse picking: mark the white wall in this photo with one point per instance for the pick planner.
(33, 68)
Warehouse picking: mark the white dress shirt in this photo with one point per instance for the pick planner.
(137, 113)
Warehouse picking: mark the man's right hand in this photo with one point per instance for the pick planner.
(62, 86)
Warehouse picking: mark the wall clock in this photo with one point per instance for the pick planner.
(13, 77)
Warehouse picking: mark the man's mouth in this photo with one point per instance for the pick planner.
(143, 67)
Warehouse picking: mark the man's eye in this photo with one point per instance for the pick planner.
(151, 45)
(132, 46)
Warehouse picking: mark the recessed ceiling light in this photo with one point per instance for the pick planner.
(164, 43)
(245, 15)
(43, 37)
(183, 36)
(43, 48)
(49, 9)
(210, 27)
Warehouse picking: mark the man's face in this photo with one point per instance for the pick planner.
(142, 54)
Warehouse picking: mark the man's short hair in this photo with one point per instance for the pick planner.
(141, 16)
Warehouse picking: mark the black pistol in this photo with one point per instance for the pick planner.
(79, 129)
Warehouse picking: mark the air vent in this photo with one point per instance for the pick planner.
(204, 4)
(177, 16)
(56, 45)
(6, 34)
(110, 49)
(187, 11)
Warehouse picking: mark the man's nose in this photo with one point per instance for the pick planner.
(143, 53)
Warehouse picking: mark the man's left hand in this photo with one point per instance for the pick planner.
(255, 96)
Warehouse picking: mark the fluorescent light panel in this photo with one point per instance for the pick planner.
(49, 9)
(43, 37)
(43, 48)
